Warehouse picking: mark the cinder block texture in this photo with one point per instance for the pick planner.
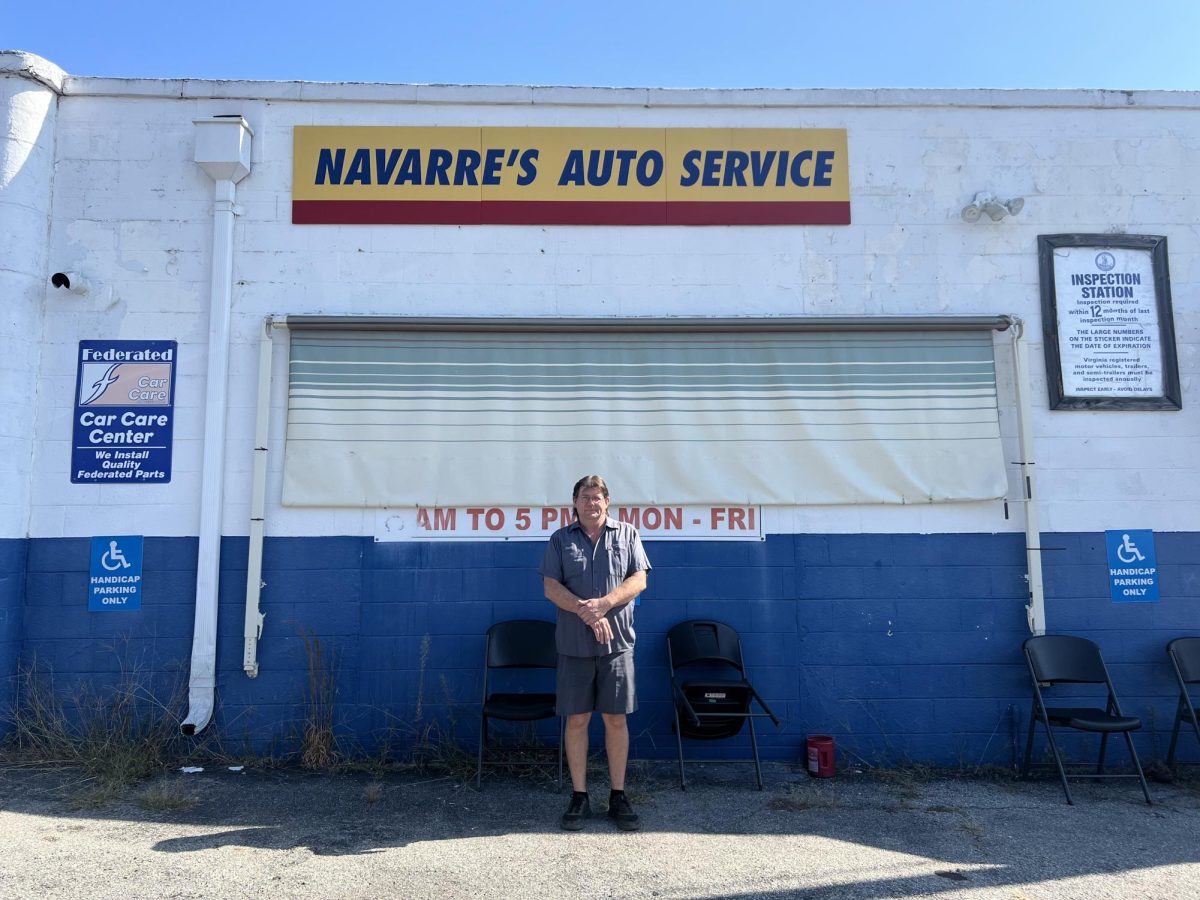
(897, 629)
(133, 211)
(914, 657)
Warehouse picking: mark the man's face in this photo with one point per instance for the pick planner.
(591, 506)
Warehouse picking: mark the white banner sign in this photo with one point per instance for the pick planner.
(408, 419)
(537, 523)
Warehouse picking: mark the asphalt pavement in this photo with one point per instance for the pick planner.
(899, 833)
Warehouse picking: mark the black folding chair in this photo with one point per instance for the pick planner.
(1056, 659)
(718, 707)
(1184, 653)
(517, 644)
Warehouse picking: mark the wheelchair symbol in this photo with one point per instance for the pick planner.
(114, 559)
(1128, 551)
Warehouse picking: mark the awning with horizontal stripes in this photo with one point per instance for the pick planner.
(768, 411)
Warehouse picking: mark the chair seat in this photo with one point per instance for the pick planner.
(1184, 653)
(519, 707)
(721, 705)
(1066, 659)
(718, 704)
(525, 649)
(1092, 719)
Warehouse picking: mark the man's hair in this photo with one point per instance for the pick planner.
(590, 481)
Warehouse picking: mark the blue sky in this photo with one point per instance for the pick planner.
(837, 43)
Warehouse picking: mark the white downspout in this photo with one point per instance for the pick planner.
(258, 496)
(223, 152)
(1035, 610)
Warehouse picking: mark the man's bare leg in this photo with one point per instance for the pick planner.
(616, 743)
(577, 749)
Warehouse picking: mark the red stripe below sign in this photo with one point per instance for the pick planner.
(552, 212)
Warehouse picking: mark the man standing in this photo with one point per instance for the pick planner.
(591, 571)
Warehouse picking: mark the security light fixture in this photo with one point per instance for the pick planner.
(69, 281)
(995, 208)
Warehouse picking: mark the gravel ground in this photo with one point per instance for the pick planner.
(288, 834)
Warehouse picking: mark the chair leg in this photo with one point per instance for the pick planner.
(679, 743)
(754, 747)
(1103, 747)
(1137, 765)
(1185, 709)
(1062, 773)
(1191, 710)
(1029, 742)
(479, 762)
(1175, 734)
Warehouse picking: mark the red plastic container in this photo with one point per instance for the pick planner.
(821, 756)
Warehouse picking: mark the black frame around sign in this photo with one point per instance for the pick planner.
(1171, 397)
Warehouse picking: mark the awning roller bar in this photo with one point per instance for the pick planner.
(814, 324)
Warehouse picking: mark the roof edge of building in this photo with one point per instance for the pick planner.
(21, 64)
(36, 68)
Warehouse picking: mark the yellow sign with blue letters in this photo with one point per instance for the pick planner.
(570, 176)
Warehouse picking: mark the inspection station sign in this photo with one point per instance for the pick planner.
(537, 523)
(1109, 322)
(124, 412)
(115, 582)
(1132, 565)
(570, 176)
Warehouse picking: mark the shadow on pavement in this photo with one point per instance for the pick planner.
(884, 835)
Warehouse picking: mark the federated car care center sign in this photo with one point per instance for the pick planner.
(570, 176)
(124, 412)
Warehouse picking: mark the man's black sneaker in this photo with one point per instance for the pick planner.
(579, 809)
(621, 811)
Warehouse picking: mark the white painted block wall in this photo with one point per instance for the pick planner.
(132, 209)
(28, 115)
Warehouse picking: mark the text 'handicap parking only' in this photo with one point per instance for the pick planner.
(115, 580)
(1132, 565)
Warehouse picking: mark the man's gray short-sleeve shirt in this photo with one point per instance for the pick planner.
(589, 571)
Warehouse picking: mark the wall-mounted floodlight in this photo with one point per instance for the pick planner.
(995, 209)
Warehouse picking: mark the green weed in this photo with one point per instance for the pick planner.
(116, 735)
(126, 733)
(318, 744)
(164, 798)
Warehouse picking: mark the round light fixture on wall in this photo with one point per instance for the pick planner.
(994, 208)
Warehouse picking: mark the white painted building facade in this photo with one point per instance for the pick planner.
(98, 177)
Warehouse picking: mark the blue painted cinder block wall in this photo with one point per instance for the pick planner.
(13, 554)
(905, 648)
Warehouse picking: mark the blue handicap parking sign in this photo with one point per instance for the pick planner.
(1132, 565)
(115, 581)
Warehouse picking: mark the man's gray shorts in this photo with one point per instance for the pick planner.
(596, 684)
